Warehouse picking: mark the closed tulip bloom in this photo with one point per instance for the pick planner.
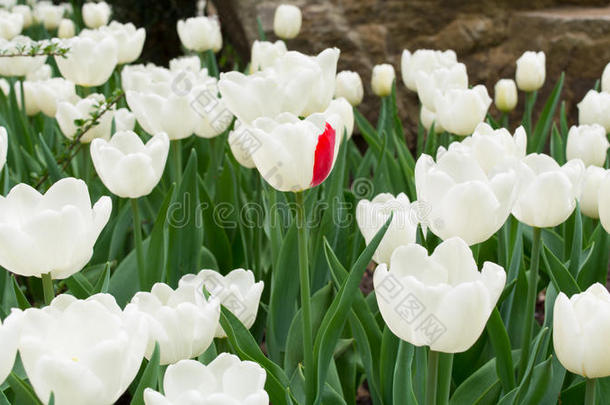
(349, 86)
(505, 95)
(85, 352)
(68, 112)
(182, 321)
(5, 88)
(124, 120)
(48, 14)
(295, 154)
(531, 71)
(243, 143)
(8, 3)
(588, 143)
(547, 192)
(345, 111)
(8, 342)
(42, 73)
(428, 117)
(52, 232)
(25, 12)
(287, 21)
(44, 96)
(606, 79)
(595, 109)
(90, 60)
(18, 65)
(604, 202)
(96, 15)
(581, 331)
(589, 197)
(457, 193)
(382, 79)
(372, 215)
(66, 29)
(460, 111)
(3, 146)
(423, 60)
(11, 24)
(453, 300)
(226, 380)
(238, 291)
(439, 81)
(130, 40)
(128, 167)
(200, 34)
(264, 54)
(192, 63)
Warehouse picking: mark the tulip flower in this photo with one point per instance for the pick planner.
(68, 112)
(25, 12)
(349, 86)
(8, 342)
(423, 60)
(182, 321)
(200, 34)
(91, 59)
(439, 81)
(48, 14)
(128, 167)
(606, 79)
(264, 54)
(460, 111)
(456, 193)
(45, 95)
(547, 192)
(51, 233)
(130, 40)
(505, 95)
(3, 146)
(85, 352)
(595, 109)
(441, 300)
(581, 330)
(345, 111)
(66, 29)
(531, 71)
(287, 21)
(96, 15)
(372, 215)
(226, 380)
(11, 24)
(588, 143)
(238, 291)
(243, 143)
(382, 79)
(603, 205)
(18, 65)
(589, 197)
(428, 117)
(44, 72)
(5, 88)
(192, 63)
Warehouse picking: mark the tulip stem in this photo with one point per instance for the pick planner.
(530, 309)
(305, 303)
(47, 288)
(590, 391)
(445, 369)
(137, 233)
(177, 152)
(504, 120)
(432, 377)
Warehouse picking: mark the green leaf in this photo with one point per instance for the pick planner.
(22, 301)
(501, 344)
(387, 364)
(403, 384)
(49, 159)
(79, 286)
(155, 254)
(541, 378)
(546, 116)
(149, 377)
(23, 392)
(103, 282)
(559, 274)
(576, 243)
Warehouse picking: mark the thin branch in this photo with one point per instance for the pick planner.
(35, 49)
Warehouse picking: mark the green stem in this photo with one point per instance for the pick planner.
(530, 309)
(590, 391)
(444, 378)
(47, 288)
(432, 377)
(177, 158)
(504, 120)
(137, 233)
(305, 299)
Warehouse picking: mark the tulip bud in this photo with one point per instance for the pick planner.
(453, 299)
(348, 85)
(3, 146)
(68, 112)
(345, 112)
(460, 111)
(42, 73)
(264, 54)
(130, 40)
(124, 120)
(438, 82)
(382, 79)
(19, 65)
(505, 95)
(8, 341)
(48, 14)
(66, 29)
(603, 199)
(287, 21)
(200, 34)
(531, 71)
(606, 79)
(581, 332)
(423, 60)
(588, 143)
(595, 109)
(589, 197)
(96, 15)
(25, 12)
(91, 59)
(192, 63)
(428, 117)
(11, 24)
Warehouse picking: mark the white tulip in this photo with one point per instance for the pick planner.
(426, 60)
(460, 111)
(238, 291)
(345, 111)
(349, 86)
(200, 34)
(382, 79)
(428, 117)
(45, 95)
(606, 79)
(129, 39)
(5, 88)
(581, 330)
(264, 54)
(531, 71)
(192, 63)
(547, 192)
(295, 154)
(25, 12)
(371, 215)
(8, 3)
(243, 143)
(128, 167)
(86, 352)
(604, 202)
(124, 120)
(182, 321)
(51, 233)
(3, 146)
(595, 109)
(287, 21)
(589, 197)
(66, 29)
(96, 15)
(9, 334)
(11, 24)
(588, 143)
(48, 14)
(458, 198)
(441, 300)
(91, 59)
(44, 72)
(18, 65)
(67, 112)
(226, 380)
(439, 81)
(505, 95)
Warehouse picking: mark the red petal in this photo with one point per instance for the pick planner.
(325, 153)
